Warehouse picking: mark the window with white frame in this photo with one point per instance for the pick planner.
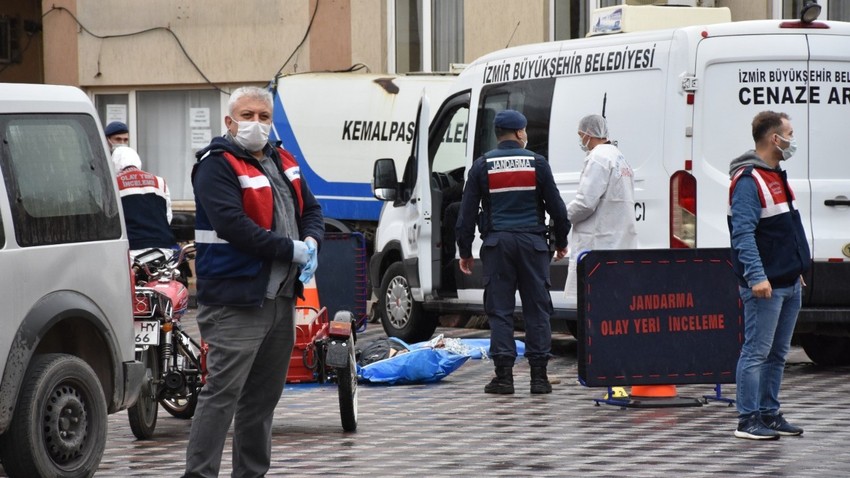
(830, 9)
(172, 126)
(569, 17)
(167, 128)
(428, 35)
(839, 10)
(113, 107)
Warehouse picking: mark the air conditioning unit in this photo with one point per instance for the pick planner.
(632, 18)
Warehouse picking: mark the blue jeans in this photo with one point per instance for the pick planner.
(768, 326)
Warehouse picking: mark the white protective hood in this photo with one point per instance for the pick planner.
(124, 156)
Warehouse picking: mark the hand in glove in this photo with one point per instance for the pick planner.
(310, 268)
(301, 252)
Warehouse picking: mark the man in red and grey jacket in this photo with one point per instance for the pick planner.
(258, 230)
(770, 254)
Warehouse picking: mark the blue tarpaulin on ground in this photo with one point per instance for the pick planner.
(425, 364)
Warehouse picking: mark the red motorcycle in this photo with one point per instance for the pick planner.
(175, 363)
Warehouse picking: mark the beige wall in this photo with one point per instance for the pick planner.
(369, 33)
(231, 42)
(488, 25)
(747, 9)
(330, 36)
(60, 42)
(247, 42)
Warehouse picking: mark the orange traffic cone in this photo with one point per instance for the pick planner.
(659, 396)
(310, 320)
(309, 306)
(654, 391)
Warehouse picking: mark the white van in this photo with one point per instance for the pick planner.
(679, 102)
(66, 330)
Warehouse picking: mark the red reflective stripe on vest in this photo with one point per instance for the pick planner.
(293, 173)
(771, 191)
(512, 180)
(257, 199)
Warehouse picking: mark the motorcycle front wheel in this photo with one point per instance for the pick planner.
(346, 379)
(183, 407)
(142, 415)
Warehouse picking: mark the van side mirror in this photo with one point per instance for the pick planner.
(384, 180)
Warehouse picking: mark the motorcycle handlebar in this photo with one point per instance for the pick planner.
(168, 267)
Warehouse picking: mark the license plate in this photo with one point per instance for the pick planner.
(147, 332)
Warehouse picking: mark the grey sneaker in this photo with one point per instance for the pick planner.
(752, 428)
(780, 425)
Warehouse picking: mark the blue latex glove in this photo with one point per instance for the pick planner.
(312, 264)
(300, 252)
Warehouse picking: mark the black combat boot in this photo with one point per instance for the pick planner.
(539, 380)
(502, 383)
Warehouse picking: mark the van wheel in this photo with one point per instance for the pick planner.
(826, 350)
(401, 316)
(59, 425)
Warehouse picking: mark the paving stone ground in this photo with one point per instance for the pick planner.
(452, 428)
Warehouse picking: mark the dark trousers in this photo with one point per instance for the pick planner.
(247, 362)
(517, 261)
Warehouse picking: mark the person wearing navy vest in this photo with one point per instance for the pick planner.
(514, 188)
(257, 232)
(146, 202)
(770, 254)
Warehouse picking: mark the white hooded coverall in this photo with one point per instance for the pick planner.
(603, 213)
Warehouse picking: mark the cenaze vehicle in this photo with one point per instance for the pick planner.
(679, 102)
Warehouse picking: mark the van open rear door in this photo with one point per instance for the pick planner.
(417, 219)
(828, 146)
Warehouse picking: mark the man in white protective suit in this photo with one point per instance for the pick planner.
(603, 211)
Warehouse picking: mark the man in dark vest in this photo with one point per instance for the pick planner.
(146, 202)
(770, 255)
(258, 228)
(515, 188)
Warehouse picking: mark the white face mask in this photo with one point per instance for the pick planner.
(790, 150)
(584, 144)
(112, 145)
(252, 135)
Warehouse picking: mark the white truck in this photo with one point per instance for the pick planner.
(680, 103)
(336, 124)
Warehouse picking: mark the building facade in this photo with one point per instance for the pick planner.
(166, 67)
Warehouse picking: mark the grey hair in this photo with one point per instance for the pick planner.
(253, 92)
(594, 126)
